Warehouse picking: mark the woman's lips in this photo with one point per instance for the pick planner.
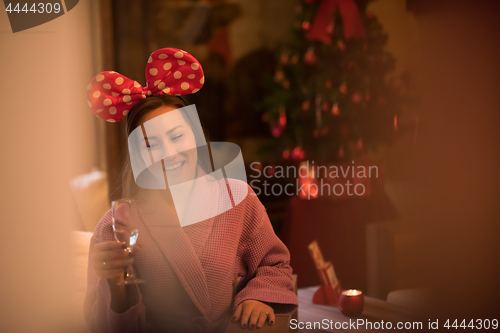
(172, 167)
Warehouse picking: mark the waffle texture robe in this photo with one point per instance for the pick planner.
(189, 271)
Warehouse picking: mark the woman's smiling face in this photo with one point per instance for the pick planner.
(171, 143)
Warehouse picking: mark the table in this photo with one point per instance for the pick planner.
(375, 311)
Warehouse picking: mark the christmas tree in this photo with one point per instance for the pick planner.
(331, 97)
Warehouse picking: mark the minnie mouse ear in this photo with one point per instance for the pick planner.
(173, 72)
(112, 95)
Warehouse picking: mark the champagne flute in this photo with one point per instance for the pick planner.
(125, 218)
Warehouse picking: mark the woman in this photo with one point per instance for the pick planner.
(197, 231)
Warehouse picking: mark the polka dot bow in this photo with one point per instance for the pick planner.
(169, 71)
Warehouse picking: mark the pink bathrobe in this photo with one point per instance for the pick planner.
(189, 271)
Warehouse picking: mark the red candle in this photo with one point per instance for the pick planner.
(351, 302)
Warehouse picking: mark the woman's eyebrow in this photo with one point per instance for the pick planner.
(171, 130)
(168, 132)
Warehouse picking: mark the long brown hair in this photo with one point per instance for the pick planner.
(128, 186)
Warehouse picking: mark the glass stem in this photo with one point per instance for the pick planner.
(130, 272)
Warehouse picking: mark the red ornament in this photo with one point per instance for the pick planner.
(278, 127)
(356, 98)
(276, 130)
(305, 25)
(310, 57)
(343, 88)
(282, 119)
(305, 105)
(302, 154)
(298, 153)
(328, 83)
(335, 109)
(284, 59)
(341, 152)
(324, 106)
(286, 154)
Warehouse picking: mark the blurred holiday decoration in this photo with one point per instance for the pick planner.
(329, 291)
(322, 27)
(205, 18)
(206, 23)
(307, 182)
(333, 86)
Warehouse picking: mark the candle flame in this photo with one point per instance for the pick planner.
(352, 292)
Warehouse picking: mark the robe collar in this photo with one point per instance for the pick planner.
(181, 246)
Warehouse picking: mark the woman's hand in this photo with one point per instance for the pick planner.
(253, 314)
(110, 260)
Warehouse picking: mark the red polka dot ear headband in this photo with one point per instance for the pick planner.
(169, 71)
